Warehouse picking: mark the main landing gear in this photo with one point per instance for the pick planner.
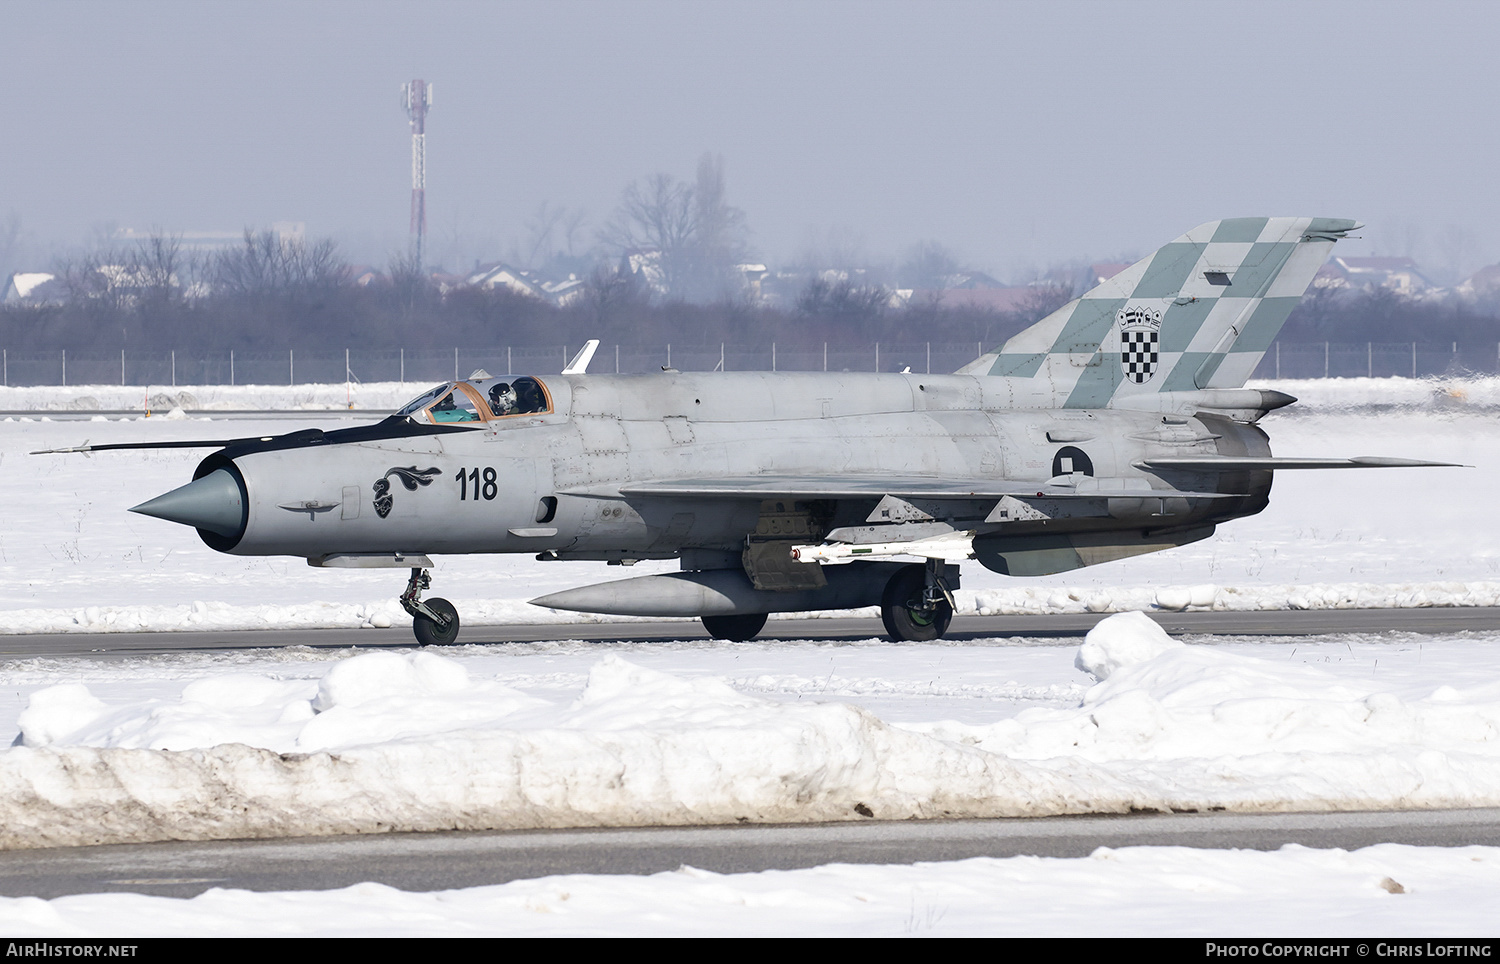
(917, 605)
(435, 622)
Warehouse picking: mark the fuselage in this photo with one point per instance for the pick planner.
(550, 480)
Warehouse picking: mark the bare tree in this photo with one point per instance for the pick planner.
(252, 268)
(696, 236)
(607, 293)
(1459, 254)
(930, 265)
(156, 268)
(317, 266)
(656, 217)
(842, 300)
(267, 264)
(10, 244)
(718, 245)
(571, 230)
(551, 231)
(838, 248)
(96, 281)
(411, 285)
(1039, 302)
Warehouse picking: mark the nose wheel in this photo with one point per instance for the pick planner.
(434, 622)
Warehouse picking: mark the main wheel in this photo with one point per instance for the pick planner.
(737, 628)
(902, 610)
(428, 632)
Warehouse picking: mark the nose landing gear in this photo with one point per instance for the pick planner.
(434, 622)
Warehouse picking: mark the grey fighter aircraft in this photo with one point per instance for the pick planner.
(1118, 425)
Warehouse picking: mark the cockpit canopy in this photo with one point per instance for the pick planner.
(479, 400)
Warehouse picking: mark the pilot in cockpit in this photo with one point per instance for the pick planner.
(502, 399)
(528, 394)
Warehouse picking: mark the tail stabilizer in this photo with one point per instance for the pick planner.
(1197, 313)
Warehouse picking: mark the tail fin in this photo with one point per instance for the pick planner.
(1198, 313)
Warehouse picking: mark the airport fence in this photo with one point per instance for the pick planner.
(427, 365)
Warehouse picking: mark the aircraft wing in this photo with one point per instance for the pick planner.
(873, 487)
(1230, 463)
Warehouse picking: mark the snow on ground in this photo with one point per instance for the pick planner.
(574, 734)
(1391, 890)
(72, 558)
(1313, 393)
(161, 399)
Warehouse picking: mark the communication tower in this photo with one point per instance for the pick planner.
(416, 97)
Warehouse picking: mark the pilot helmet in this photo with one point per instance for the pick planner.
(502, 397)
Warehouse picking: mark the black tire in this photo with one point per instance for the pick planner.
(428, 632)
(901, 610)
(736, 628)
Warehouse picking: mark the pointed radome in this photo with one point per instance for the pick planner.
(213, 503)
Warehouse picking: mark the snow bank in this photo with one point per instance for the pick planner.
(1122, 640)
(385, 741)
(638, 748)
(1199, 728)
(1246, 598)
(1392, 890)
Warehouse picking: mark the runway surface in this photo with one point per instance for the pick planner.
(1317, 622)
(442, 861)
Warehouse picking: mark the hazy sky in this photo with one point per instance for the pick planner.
(1017, 134)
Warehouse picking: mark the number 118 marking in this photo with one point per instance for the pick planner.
(468, 481)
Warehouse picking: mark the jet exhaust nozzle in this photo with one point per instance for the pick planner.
(215, 503)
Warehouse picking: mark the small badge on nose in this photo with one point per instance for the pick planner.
(410, 476)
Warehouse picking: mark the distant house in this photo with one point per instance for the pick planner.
(364, 275)
(447, 282)
(1483, 284)
(498, 274)
(646, 268)
(105, 281)
(971, 281)
(753, 275)
(31, 287)
(1398, 274)
(565, 292)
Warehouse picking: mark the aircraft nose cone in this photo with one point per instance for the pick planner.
(213, 502)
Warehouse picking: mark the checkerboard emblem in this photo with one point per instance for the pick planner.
(1140, 331)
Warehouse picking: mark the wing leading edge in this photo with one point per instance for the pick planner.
(859, 487)
(1230, 463)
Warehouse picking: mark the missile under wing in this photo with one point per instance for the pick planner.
(1116, 426)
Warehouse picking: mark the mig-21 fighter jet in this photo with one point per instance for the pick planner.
(1117, 425)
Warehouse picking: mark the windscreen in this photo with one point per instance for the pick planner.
(423, 400)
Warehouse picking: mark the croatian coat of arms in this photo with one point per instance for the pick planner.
(1140, 333)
